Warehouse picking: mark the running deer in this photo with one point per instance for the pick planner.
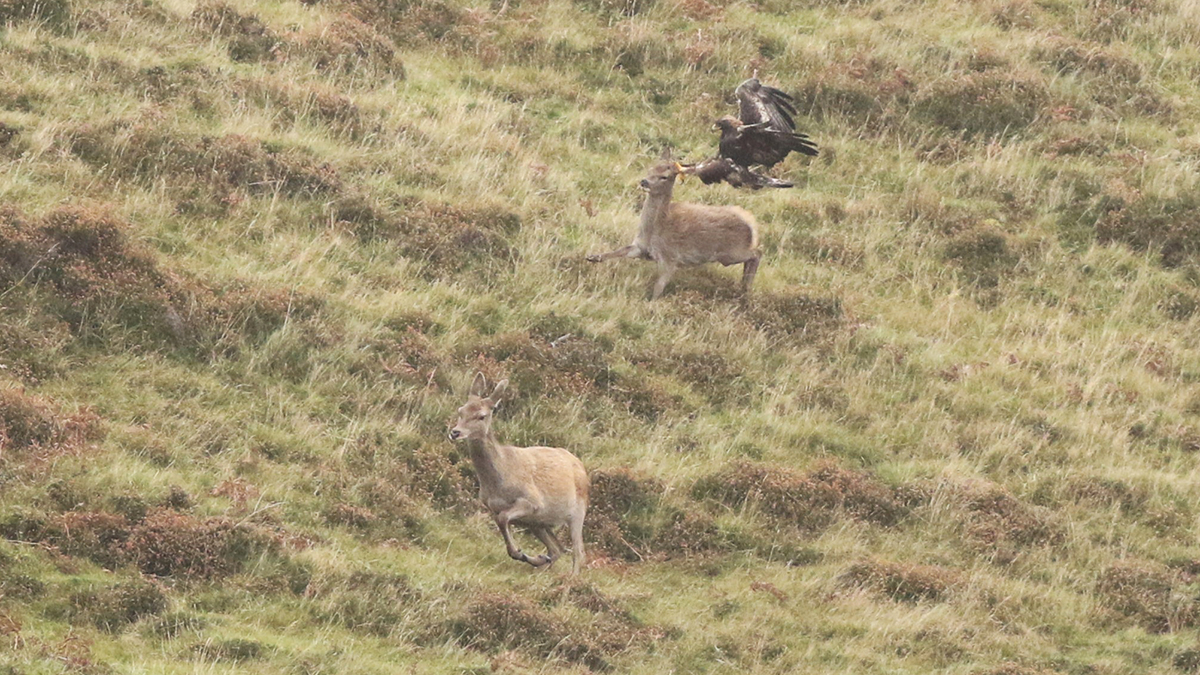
(675, 234)
(538, 488)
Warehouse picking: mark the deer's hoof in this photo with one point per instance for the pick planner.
(592, 258)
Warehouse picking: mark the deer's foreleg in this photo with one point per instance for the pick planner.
(665, 272)
(504, 519)
(630, 251)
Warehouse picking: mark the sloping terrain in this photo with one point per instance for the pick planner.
(252, 253)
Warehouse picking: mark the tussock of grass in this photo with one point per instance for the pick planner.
(909, 583)
(810, 501)
(31, 423)
(495, 621)
(53, 13)
(1149, 595)
(114, 607)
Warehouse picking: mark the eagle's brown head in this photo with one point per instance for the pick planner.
(726, 124)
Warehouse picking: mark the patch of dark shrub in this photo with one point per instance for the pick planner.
(8, 133)
(1067, 55)
(20, 587)
(413, 21)
(350, 515)
(173, 624)
(1011, 668)
(53, 13)
(1109, 492)
(982, 105)
(95, 535)
(999, 522)
(810, 501)
(112, 608)
(235, 650)
(178, 499)
(620, 506)
(538, 368)
(401, 351)
(982, 255)
(27, 421)
(1187, 660)
(225, 165)
(1149, 595)
(450, 239)
(903, 582)
(172, 544)
(794, 314)
(1180, 304)
(628, 519)
(592, 599)
(709, 372)
(863, 89)
(132, 507)
(312, 103)
(617, 7)
(685, 532)
(372, 602)
(101, 277)
(493, 622)
(1169, 227)
(637, 53)
(348, 45)
(247, 37)
(436, 476)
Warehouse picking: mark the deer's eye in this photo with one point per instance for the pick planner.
(483, 416)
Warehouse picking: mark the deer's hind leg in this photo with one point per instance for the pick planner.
(576, 525)
(553, 549)
(749, 269)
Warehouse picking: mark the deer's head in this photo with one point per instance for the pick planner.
(475, 416)
(661, 178)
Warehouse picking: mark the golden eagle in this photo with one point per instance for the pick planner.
(764, 136)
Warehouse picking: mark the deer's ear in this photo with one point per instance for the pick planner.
(478, 386)
(498, 394)
(666, 153)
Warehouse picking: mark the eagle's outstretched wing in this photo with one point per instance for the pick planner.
(765, 132)
(751, 145)
(758, 103)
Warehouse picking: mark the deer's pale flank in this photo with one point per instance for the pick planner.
(678, 235)
(538, 488)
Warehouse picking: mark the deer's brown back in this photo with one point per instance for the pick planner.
(694, 234)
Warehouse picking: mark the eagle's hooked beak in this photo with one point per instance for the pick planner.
(679, 171)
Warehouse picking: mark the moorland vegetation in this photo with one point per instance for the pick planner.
(252, 254)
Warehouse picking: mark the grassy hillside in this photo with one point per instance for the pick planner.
(251, 255)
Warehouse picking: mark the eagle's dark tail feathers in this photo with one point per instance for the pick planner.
(802, 144)
(768, 181)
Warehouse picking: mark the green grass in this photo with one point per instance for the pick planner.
(252, 254)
